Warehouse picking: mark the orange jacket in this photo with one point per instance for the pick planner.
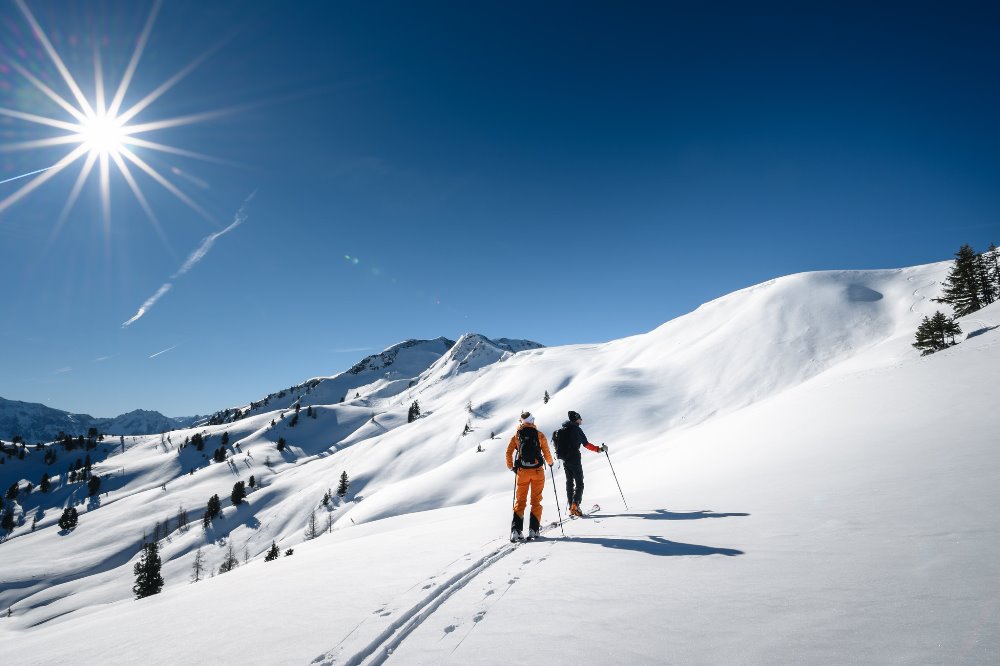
(512, 446)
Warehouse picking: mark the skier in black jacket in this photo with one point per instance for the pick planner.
(568, 450)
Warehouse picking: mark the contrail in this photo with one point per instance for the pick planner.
(192, 260)
(209, 241)
(164, 351)
(148, 304)
(25, 175)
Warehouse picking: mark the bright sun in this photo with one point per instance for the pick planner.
(100, 132)
(103, 135)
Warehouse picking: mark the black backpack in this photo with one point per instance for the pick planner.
(561, 440)
(529, 451)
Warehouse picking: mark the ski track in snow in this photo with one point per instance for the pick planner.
(420, 602)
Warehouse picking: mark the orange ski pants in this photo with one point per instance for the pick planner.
(532, 480)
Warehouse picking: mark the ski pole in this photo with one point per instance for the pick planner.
(513, 501)
(556, 493)
(616, 477)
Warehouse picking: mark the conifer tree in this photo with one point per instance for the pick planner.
(93, 486)
(272, 553)
(413, 412)
(225, 438)
(993, 267)
(343, 486)
(43, 485)
(68, 519)
(281, 443)
(212, 509)
(239, 493)
(987, 288)
(962, 288)
(7, 522)
(545, 398)
(148, 580)
(936, 333)
(252, 482)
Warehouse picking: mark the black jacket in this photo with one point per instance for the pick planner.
(576, 439)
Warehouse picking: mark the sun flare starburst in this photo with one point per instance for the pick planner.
(103, 134)
(98, 132)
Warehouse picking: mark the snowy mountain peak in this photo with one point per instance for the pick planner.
(384, 359)
(473, 352)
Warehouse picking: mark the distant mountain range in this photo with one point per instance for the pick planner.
(377, 376)
(35, 422)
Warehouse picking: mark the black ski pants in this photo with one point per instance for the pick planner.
(574, 480)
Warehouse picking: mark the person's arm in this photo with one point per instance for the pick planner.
(593, 447)
(511, 447)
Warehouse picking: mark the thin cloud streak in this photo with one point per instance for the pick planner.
(192, 260)
(62, 371)
(150, 302)
(209, 241)
(164, 351)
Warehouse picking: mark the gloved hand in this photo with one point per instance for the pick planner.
(513, 469)
(604, 447)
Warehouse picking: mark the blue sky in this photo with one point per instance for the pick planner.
(564, 172)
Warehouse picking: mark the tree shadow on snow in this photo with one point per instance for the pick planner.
(655, 545)
(980, 331)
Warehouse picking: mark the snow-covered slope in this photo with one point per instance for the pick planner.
(802, 487)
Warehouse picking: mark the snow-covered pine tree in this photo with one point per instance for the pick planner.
(344, 485)
(273, 553)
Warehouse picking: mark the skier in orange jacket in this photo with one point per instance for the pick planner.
(532, 453)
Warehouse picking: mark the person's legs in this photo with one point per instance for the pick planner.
(537, 486)
(520, 500)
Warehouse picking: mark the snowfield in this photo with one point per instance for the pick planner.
(801, 487)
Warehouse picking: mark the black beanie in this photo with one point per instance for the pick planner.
(574, 416)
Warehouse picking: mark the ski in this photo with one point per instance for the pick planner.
(594, 509)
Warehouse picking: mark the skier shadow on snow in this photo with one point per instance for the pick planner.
(657, 546)
(663, 514)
